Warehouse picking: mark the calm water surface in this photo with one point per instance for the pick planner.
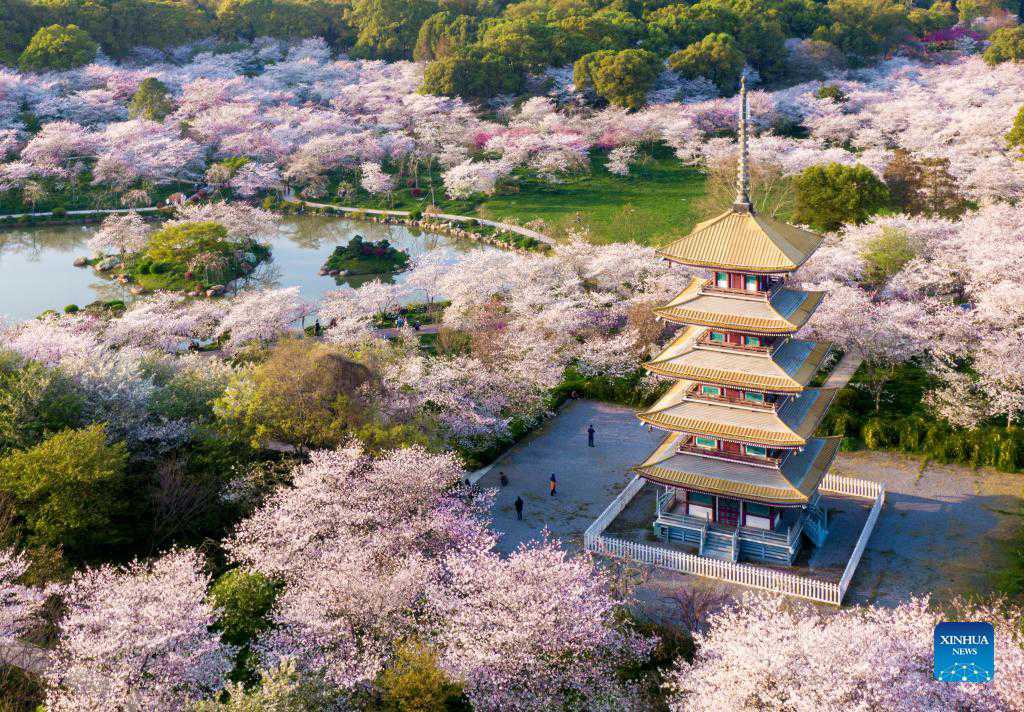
(36, 270)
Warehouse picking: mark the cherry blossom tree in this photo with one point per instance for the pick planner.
(121, 233)
(514, 652)
(168, 322)
(357, 542)
(768, 652)
(261, 316)
(374, 180)
(137, 637)
(19, 604)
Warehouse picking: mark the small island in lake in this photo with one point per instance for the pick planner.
(362, 257)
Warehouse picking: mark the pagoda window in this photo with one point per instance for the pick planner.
(706, 390)
(701, 505)
(752, 341)
(718, 337)
(722, 280)
(705, 442)
(750, 283)
(756, 515)
(755, 451)
(753, 397)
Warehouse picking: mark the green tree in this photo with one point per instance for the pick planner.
(526, 41)
(1015, 136)
(35, 401)
(57, 47)
(715, 57)
(287, 19)
(302, 394)
(622, 77)
(243, 599)
(443, 34)
(67, 489)
(1007, 45)
(178, 243)
(151, 100)
(886, 254)
(938, 16)
(753, 25)
(865, 29)
(473, 73)
(387, 29)
(800, 18)
(586, 31)
(829, 196)
(415, 682)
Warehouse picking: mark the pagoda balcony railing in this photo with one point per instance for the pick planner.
(710, 286)
(687, 448)
(705, 340)
(786, 538)
(696, 395)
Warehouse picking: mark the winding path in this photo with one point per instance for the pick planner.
(507, 227)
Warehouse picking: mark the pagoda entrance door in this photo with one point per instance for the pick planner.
(728, 512)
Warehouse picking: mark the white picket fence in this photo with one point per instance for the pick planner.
(743, 574)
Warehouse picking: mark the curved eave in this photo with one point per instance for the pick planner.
(724, 488)
(725, 378)
(724, 431)
(744, 324)
(800, 474)
(725, 267)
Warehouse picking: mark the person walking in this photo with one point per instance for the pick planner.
(590, 435)
(519, 508)
(553, 483)
(503, 478)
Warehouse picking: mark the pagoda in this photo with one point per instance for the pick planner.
(739, 470)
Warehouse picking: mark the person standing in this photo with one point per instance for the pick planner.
(590, 435)
(519, 508)
(503, 478)
(553, 484)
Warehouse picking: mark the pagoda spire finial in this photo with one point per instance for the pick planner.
(742, 203)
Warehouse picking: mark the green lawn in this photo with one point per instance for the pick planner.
(651, 206)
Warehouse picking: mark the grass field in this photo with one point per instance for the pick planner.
(651, 206)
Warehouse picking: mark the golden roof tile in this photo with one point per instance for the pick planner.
(788, 426)
(744, 241)
(790, 483)
(784, 312)
(786, 369)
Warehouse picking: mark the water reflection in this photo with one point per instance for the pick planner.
(36, 270)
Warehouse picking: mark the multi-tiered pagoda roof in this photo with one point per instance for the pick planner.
(743, 381)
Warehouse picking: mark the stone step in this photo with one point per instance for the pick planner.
(720, 554)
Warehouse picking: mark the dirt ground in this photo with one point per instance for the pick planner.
(943, 531)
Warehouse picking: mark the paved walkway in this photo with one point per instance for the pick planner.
(507, 227)
(844, 370)
(588, 478)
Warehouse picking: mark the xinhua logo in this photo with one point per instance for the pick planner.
(965, 652)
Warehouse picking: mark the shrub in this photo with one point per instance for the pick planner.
(244, 599)
(59, 213)
(71, 309)
(831, 91)
(415, 682)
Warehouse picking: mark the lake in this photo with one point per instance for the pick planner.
(36, 270)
